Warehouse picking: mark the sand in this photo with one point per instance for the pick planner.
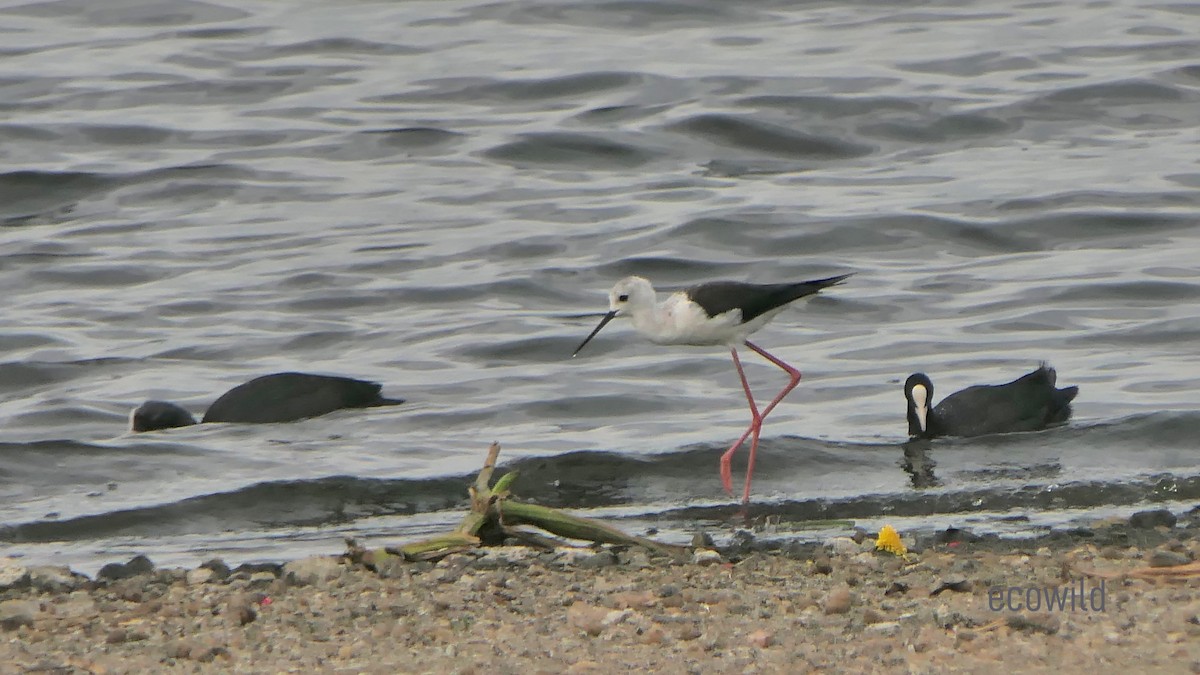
(954, 603)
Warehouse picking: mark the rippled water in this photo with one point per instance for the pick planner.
(438, 195)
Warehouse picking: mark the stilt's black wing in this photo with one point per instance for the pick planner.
(718, 297)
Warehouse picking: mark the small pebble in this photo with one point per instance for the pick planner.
(1153, 518)
(761, 638)
(1167, 558)
(838, 600)
(883, 628)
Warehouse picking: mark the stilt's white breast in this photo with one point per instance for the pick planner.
(679, 321)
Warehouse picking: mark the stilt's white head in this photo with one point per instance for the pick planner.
(633, 296)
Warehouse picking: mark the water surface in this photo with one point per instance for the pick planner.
(437, 196)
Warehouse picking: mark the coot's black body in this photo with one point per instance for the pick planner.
(1028, 403)
(280, 397)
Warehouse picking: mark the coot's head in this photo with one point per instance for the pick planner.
(918, 389)
(153, 415)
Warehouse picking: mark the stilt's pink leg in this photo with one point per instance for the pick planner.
(755, 425)
(793, 375)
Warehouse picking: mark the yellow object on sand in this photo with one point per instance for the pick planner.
(889, 540)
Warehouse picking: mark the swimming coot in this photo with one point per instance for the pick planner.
(1028, 403)
(280, 397)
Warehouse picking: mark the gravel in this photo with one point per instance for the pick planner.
(963, 604)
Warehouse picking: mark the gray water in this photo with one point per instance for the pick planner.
(438, 195)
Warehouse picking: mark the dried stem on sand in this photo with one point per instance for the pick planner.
(494, 517)
(1172, 573)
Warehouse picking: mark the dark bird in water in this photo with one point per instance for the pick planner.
(1028, 403)
(280, 397)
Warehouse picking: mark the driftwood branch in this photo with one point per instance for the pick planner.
(575, 527)
(494, 511)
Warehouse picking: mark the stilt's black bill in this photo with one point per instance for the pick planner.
(603, 322)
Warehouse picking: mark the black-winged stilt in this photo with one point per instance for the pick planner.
(1028, 403)
(716, 313)
(280, 397)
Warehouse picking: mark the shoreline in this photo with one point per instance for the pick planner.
(1123, 594)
